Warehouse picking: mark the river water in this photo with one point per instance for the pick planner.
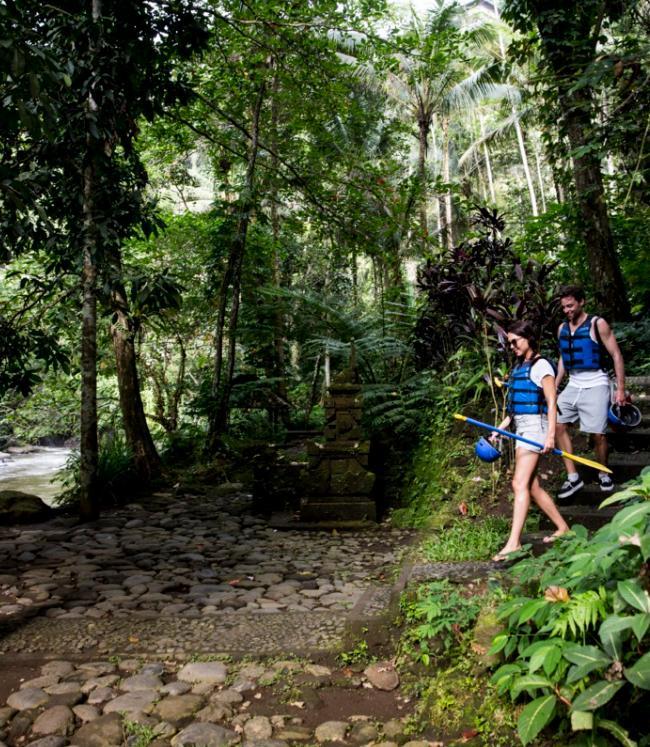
(34, 472)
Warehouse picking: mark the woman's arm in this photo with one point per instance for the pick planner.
(550, 393)
(503, 424)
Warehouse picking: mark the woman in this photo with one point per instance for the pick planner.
(532, 404)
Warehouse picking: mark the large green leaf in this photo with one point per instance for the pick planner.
(610, 634)
(529, 682)
(640, 625)
(581, 720)
(586, 655)
(547, 656)
(618, 731)
(596, 696)
(629, 517)
(534, 718)
(634, 595)
(530, 609)
(639, 674)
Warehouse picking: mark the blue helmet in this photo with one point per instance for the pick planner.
(624, 416)
(485, 451)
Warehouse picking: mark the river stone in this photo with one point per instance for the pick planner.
(294, 734)
(205, 735)
(57, 720)
(363, 733)
(63, 688)
(105, 681)
(5, 714)
(20, 726)
(51, 741)
(382, 675)
(106, 731)
(85, 712)
(416, 743)
(210, 671)
(331, 731)
(175, 708)
(17, 507)
(141, 682)
(46, 680)
(393, 728)
(264, 743)
(214, 712)
(259, 727)
(132, 702)
(176, 688)
(97, 668)
(227, 697)
(30, 697)
(100, 695)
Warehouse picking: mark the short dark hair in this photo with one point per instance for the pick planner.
(575, 291)
(525, 329)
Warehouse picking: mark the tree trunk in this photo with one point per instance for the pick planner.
(138, 437)
(448, 222)
(279, 335)
(88, 440)
(524, 163)
(488, 164)
(222, 381)
(423, 144)
(540, 180)
(604, 270)
(88, 444)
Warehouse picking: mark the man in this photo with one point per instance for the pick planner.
(584, 341)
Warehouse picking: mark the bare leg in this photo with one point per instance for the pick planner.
(563, 440)
(601, 447)
(525, 465)
(547, 505)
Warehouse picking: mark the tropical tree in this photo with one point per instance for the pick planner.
(567, 38)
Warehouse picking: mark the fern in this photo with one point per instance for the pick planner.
(581, 612)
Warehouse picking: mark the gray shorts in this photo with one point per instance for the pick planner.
(589, 406)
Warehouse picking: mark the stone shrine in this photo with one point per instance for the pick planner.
(339, 482)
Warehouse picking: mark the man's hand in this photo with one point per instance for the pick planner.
(620, 398)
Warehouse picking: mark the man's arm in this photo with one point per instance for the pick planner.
(611, 345)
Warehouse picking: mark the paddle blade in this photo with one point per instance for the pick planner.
(587, 462)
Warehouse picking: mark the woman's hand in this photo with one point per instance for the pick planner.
(493, 437)
(549, 444)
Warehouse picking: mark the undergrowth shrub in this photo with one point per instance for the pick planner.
(115, 473)
(576, 638)
(437, 620)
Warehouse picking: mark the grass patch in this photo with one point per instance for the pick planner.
(467, 540)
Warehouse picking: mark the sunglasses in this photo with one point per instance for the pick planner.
(513, 343)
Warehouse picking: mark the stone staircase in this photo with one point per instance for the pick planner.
(629, 454)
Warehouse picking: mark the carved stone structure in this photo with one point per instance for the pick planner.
(340, 484)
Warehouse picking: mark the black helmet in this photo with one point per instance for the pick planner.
(624, 416)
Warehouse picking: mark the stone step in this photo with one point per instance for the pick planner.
(590, 495)
(627, 466)
(638, 382)
(588, 516)
(636, 439)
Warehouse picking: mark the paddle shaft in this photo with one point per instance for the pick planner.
(509, 434)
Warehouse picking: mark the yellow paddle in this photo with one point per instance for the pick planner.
(557, 452)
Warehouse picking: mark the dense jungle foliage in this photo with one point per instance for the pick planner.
(208, 209)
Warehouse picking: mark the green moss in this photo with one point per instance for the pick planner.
(443, 475)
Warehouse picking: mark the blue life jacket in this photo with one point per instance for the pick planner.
(524, 396)
(579, 352)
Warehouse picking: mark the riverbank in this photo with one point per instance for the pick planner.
(34, 470)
